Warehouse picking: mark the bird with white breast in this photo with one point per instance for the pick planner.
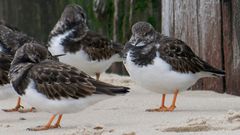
(163, 64)
(83, 48)
(55, 87)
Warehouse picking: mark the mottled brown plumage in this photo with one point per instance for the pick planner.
(53, 86)
(5, 61)
(53, 79)
(163, 64)
(173, 51)
(95, 45)
(10, 40)
(181, 57)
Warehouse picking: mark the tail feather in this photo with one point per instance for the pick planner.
(105, 88)
(217, 72)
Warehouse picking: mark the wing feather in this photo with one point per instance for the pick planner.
(182, 59)
(5, 61)
(57, 80)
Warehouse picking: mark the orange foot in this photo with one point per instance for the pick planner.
(20, 109)
(15, 109)
(161, 109)
(46, 127)
(171, 108)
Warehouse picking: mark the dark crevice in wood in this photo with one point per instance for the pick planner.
(200, 82)
(228, 43)
(222, 44)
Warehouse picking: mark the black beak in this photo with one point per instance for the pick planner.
(55, 57)
(59, 55)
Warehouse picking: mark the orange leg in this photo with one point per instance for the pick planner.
(97, 76)
(162, 108)
(16, 108)
(48, 125)
(19, 108)
(173, 106)
(57, 124)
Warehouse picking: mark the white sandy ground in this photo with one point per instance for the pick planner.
(197, 113)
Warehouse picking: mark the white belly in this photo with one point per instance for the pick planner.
(82, 62)
(81, 59)
(70, 105)
(159, 77)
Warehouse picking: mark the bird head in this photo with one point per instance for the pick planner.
(30, 53)
(73, 17)
(143, 33)
(74, 14)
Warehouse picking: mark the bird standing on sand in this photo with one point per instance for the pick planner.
(84, 49)
(55, 87)
(163, 64)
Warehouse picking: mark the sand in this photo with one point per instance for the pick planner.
(197, 113)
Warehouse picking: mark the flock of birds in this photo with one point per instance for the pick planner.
(55, 77)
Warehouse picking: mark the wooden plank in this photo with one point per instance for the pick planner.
(231, 48)
(167, 17)
(227, 40)
(236, 14)
(209, 23)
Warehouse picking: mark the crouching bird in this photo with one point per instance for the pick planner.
(85, 49)
(163, 64)
(55, 87)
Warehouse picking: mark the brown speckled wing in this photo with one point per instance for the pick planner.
(182, 59)
(56, 80)
(97, 46)
(5, 61)
(12, 39)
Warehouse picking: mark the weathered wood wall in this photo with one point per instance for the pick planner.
(209, 28)
(33, 17)
(231, 44)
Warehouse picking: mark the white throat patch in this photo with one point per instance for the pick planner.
(56, 41)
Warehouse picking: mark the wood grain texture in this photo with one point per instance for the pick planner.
(36, 18)
(167, 17)
(231, 47)
(210, 39)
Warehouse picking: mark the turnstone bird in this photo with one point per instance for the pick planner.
(84, 49)
(10, 40)
(55, 87)
(163, 64)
